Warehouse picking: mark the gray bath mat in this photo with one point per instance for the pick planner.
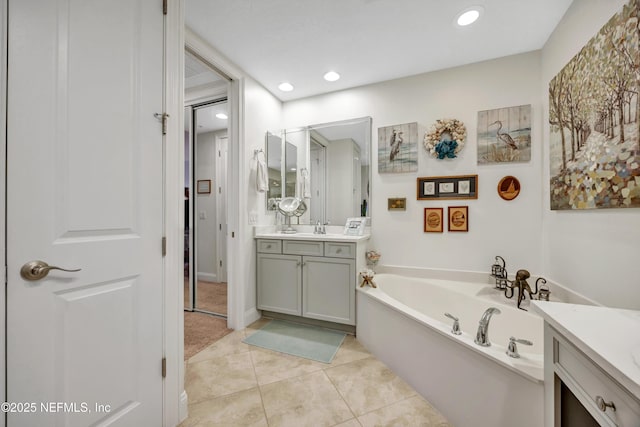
(310, 342)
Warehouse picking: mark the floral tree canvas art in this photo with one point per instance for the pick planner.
(594, 118)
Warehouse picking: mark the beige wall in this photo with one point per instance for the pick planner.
(496, 227)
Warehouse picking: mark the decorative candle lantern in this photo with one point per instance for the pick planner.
(498, 269)
(544, 292)
(499, 272)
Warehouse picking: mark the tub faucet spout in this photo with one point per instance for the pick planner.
(482, 336)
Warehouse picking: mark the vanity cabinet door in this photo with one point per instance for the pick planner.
(328, 289)
(279, 283)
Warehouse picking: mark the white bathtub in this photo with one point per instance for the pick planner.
(402, 323)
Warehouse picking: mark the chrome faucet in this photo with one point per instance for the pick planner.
(482, 336)
(320, 228)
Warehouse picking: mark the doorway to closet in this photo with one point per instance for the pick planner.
(205, 208)
(205, 204)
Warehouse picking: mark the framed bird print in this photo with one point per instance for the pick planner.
(504, 135)
(398, 148)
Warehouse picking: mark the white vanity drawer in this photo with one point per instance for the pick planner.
(588, 382)
(270, 246)
(340, 250)
(302, 247)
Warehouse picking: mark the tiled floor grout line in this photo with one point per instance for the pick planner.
(340, 394)
(255, 373)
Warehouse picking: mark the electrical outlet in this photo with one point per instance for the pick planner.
(203, 215)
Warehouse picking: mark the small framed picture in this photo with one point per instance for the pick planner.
(429, 188)
(355, 226)
(458, 218)
(204, 186)
(448, 187)
(509, 187)
(397, 204)
(433, 220)
(445, 187)
(464, 186)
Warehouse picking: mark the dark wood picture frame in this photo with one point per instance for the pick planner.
(447, 187)
(433, 220)
(397, 204)
(458, 218)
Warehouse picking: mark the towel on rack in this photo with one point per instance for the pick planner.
(262, 177)
(306, 185)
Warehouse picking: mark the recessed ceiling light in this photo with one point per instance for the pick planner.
(222, 116)
(331, 76)
(285, 87)
(469, 16)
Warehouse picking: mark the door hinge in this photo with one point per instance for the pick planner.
(163, 118)
(164, 246)
(164, 7)
(164, 367)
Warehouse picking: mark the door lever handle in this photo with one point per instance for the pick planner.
(36, 270)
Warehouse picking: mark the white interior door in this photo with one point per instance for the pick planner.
(85, 191)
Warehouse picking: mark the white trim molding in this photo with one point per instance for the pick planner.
(175, 407)
(3, 199)
(235, 170)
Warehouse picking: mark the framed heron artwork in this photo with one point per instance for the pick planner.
(398, 148)
(504, 135)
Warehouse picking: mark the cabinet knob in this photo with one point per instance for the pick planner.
(602, 405)
(339, 250)
(268, 246)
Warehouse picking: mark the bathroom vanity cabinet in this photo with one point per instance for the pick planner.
(314, 279)
(592, 375)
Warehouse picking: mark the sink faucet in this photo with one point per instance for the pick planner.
(319, 228)
(482, 336)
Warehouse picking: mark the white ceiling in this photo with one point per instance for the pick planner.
(366, 41)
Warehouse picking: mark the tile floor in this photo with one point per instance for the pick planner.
(234, 384)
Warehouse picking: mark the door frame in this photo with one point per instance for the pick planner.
(175, 398)
(175, 195)
(236, 168)
(3, 197)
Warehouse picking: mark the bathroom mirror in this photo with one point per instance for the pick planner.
(281, 165)
(274, 167)
(328, 167)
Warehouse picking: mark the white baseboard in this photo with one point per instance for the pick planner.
(184, 406)
(251, 316)
(207, 277)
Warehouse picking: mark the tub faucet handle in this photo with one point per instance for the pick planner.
(512, 349)
(455, 329)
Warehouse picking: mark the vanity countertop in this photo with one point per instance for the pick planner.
(609, 336)
(329, 237)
